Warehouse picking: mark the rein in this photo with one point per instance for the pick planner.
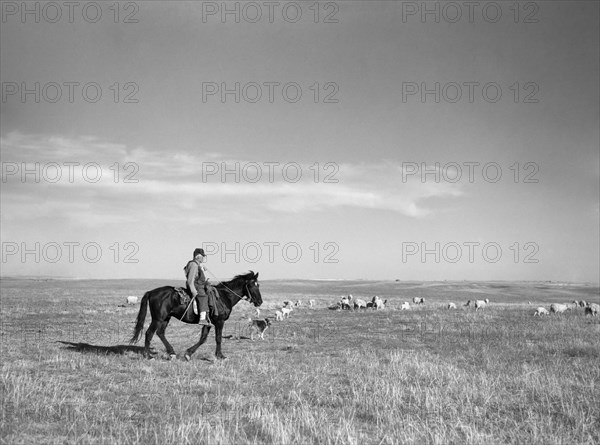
(241, 297)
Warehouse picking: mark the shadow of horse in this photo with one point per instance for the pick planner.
(105, 350)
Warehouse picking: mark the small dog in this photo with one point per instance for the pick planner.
(259, 327)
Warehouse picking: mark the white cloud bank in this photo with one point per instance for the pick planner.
(148, 180)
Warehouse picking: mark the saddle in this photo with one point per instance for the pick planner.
(211, 291)
(184, 296)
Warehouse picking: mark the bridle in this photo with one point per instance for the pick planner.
(241, 297)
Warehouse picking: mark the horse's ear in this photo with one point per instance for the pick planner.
(256, 276)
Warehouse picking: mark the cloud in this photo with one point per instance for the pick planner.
(136, 183)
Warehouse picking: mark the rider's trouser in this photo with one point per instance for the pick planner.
(202, 297)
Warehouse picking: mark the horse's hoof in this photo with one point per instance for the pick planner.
(187, 357)
(172, 356)
(221, 357)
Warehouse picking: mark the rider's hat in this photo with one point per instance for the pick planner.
(200, 251)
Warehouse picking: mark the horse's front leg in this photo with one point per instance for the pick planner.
(190, 351)
(218, 337)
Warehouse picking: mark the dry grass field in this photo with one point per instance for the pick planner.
(428, 375)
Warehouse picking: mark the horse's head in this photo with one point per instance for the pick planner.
(251, 289)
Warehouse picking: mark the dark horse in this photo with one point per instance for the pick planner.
(164, 304)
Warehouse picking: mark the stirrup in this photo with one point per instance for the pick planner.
(206, 322)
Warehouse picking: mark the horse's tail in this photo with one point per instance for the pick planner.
(139, 325)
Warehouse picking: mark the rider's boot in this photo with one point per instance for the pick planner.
(204, 321)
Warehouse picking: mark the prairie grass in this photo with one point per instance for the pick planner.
(428, 375)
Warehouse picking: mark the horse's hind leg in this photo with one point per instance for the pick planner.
(149, 335)
(191, 350)
(161, 334)
(218, 336)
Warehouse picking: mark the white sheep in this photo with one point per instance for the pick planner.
(311, 303)
(405, 306)
(345, 301)
(286, 312)
(557, 308)
(381, 304)
(592, 309)
(378, 303)
(298, 303)
(360, 304)
(132, 300)
(451, 306)
(480, 304)
(418, 300)
(278, 315)
(541, 311)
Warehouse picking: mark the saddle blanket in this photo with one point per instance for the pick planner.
(184, 297)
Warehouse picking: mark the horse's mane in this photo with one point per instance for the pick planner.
(236, 280)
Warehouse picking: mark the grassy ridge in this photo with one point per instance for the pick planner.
(427, 375)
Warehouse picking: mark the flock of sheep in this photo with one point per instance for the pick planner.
(350, 303)
(287, 308)
(556, 308)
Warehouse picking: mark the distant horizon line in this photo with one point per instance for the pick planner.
(58, 278)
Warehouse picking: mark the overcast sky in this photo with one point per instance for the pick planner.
(334, 156)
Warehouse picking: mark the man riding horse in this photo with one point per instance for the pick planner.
(165, 302)
(197, 284)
